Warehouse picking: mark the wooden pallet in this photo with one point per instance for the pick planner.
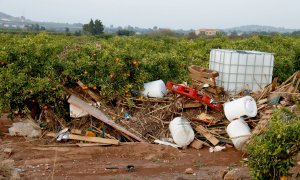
(201, 76)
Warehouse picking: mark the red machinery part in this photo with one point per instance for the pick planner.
(194, 94)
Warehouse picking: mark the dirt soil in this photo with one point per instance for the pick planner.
(36, 160)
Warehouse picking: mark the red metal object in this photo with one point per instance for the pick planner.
(194, 94)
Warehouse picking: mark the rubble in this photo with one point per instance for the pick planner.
(216, 149)
(28, 129)
(142, 119)
(189, 171)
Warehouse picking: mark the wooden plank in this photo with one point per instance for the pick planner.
(90, 144)
(97, 113)
(216, 90)
(91, 93)
(76, 131)
(288, 80)
(274, 84)
(201, 79)
(191, 105)
(88, 138)
(94, 139)
(197, 144)
(298, 74)
(262, 101)
(297, 85)
(184, 104)
(200, 129)
(205, 116)
(203, 71)
(290, 89)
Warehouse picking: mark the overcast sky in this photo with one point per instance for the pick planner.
(176, 14)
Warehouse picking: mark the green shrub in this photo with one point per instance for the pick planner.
(271, 154)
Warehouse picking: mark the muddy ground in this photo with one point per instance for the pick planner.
(41, 159)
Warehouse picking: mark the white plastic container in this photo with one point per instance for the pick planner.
(245, 106)
(156, 89)
(239, 132)
(181, 131)
(240, 70)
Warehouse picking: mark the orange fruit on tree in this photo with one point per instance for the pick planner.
(135, 63)
(84, 87)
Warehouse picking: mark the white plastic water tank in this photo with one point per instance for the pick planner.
(245, 106)
(240, 70)
(156, 89)
(181, 131)
(239, 132)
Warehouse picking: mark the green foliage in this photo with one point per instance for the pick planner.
(35, 66)
(125, 32)
(94, 28)
(271, 154)
(98, 27)
(296, 62)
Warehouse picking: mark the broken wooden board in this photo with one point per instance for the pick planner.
(197, 144)
(207, 73)
(90, 144)
(97, 113)
(91, 93)
(76, 131)
(185, 104)
(201, 79)
(262, 101)
(215, 90)
(191, 105)
(200, 129)
(88, 139)
(205, 116)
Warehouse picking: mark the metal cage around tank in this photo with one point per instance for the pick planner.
(240, 70)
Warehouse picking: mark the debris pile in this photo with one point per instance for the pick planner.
(173, 114)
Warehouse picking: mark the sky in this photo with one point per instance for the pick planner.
(174, 14)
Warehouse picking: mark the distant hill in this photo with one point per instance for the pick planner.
(258, 28)
(3, 15)
(10, 22)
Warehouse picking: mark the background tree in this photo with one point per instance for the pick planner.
(125, 32)
(98, 27)
(91, 28)
(85, 28)
(42, 28)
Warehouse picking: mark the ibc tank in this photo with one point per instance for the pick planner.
(240, 70)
